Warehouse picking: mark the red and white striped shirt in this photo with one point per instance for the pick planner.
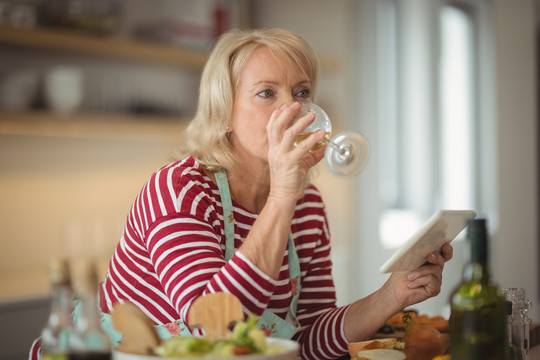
(172, 251)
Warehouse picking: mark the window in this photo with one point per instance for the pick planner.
(456, 108)
(426, 112)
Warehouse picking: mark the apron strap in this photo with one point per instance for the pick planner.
(228, 215)
(272, 324)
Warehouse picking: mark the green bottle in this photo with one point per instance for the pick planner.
(478, 310)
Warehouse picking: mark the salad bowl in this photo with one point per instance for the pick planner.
(290, 352)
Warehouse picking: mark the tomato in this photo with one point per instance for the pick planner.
(241, 350)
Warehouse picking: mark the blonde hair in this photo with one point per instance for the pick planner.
(206, 137)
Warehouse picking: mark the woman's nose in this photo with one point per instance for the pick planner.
(292, 100)
(286, 101)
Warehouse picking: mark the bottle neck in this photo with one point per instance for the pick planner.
(88, 317)
(478, 268)
(479, 250)
(55, 335)
(60, 298)
(87, 332)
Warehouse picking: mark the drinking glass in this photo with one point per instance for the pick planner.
(346, 154)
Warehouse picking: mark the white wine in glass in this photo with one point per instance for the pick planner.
(304, 135)
(347, 153)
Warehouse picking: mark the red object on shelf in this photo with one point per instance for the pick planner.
(222, 18)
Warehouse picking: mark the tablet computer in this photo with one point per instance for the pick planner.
(441, 228)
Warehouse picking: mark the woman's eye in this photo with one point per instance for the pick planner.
(303, 93)
(265, 93)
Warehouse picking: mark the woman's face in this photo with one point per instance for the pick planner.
(266, 82)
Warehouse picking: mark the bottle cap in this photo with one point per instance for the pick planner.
(59, 271)
(477, 228)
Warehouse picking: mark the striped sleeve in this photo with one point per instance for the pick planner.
(189, 262)
(322, 335)
(35, 350)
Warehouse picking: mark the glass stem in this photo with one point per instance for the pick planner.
(344, 150)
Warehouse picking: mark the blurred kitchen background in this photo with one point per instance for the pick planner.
(94, 95)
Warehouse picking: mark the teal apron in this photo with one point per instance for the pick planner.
(269, 322)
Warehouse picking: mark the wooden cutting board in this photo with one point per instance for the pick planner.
(216, 314)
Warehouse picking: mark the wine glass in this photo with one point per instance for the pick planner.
(346, 154)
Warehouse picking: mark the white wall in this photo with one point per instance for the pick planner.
(516, 239)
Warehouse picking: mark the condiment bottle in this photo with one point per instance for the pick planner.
(56, 333)
(88, 341)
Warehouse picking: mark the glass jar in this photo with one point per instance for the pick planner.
(518, 322)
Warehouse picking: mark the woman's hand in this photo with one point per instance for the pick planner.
(266, 243)
(422, 283)
(401, 290)
(289, 164)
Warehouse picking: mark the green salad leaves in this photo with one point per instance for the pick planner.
(245, 339)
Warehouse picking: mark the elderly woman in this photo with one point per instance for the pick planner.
(237, 214)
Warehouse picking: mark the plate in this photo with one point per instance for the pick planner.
(441, 228)
(290, 353)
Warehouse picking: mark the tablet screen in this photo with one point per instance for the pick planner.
(441, 228)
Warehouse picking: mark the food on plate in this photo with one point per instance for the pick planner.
(378, 344)
(437, 321)
(422, 342)
(379, 354)
(396, 320)
(213, 314)
(245, 339)
(388, 343)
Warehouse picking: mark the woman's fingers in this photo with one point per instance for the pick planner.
(426, 272)
(440, 258)
(429, 284)
(286, 123)
(280, 121)
(289, 164)
(284, 127)
(447, 251)
(429, 276)
(424, 282)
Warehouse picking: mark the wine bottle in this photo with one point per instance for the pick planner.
(478, 310)
(88, 341)
(55, 335)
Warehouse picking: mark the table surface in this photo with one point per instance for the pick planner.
(534, 353)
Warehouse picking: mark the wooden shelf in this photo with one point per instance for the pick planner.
(63, 40)
(92, 126)
(51, 39)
